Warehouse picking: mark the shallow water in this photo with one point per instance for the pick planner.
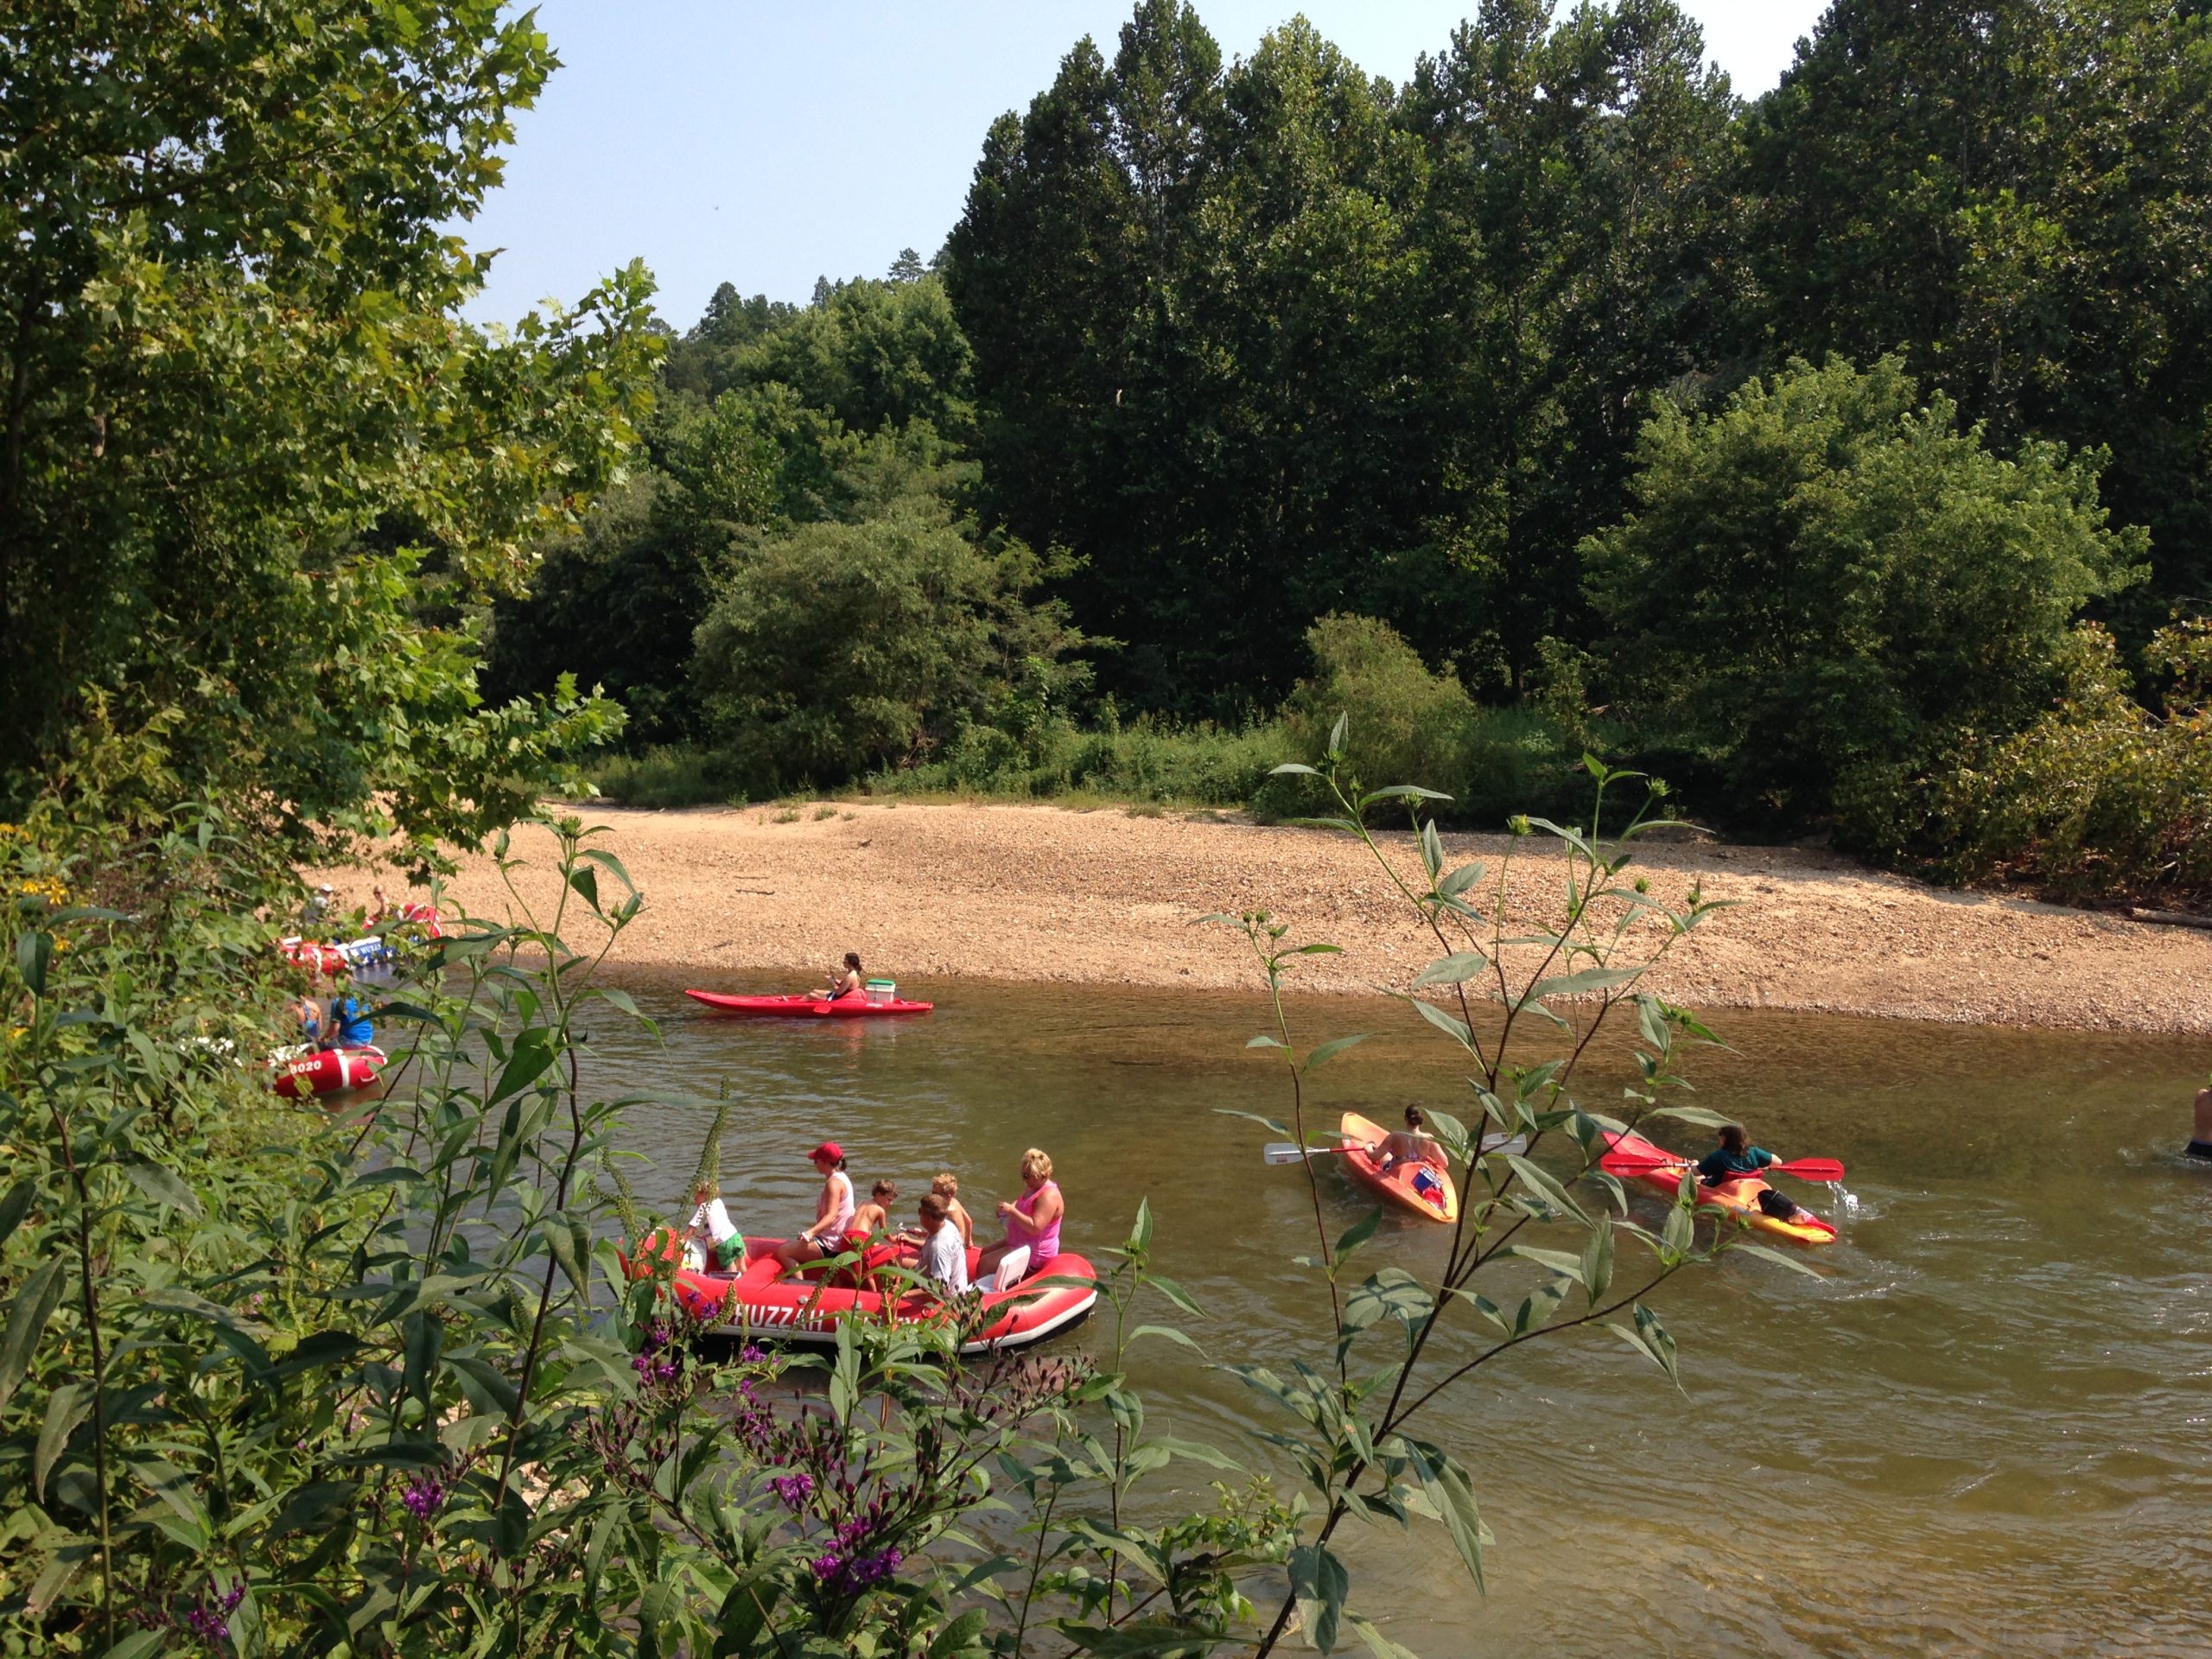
(1978, 1432)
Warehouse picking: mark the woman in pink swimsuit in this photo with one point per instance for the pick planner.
(1033, 1219)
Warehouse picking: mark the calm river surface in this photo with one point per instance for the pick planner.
(1982, 1430)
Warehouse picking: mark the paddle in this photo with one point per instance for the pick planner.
(1804, 1169)
(1288, 1152)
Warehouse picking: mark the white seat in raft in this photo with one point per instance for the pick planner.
(1011, 1266)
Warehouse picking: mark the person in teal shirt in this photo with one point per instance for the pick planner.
(1733, 1159)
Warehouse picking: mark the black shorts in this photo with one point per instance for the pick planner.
(2199, 1149)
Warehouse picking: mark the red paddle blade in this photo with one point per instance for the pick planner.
(1625, 1163)
(1813, 1169)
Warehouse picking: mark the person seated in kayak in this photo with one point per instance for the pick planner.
(1033, 1219)
(710, 1228)
(1411, 1144)
(307, 1013)
(1733, 1159)
(944, 1257)
(1782, 1207)
(2200, 1137)
(946, 1185)
(347, 1025)
(845, 981)
(874, 1216)
(833, 1212)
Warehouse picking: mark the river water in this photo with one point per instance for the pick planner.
(1981, 1430)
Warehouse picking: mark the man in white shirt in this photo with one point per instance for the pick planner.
(720, 1243)
(944, 1259)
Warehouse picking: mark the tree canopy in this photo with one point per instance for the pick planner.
(254, 470)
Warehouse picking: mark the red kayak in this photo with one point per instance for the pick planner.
(1633, 1157)
(326, 1071)
(756, 1304)
(809, 1007)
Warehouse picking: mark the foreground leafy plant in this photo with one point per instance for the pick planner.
(281, 1381)
(1403, 1341)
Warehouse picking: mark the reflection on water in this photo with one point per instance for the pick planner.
(1978, 1431)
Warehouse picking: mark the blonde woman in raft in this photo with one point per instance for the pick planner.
(1033, 1219)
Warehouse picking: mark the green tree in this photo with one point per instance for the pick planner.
(874, 354)
(2017, 198)
(243, 422)
(1574, 240)
(1831, 592)
(840, 647)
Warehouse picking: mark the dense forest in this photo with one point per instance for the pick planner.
(1813, 449)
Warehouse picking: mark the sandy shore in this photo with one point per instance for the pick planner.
(1037, 892)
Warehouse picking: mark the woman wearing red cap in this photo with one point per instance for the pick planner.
(833, 1211)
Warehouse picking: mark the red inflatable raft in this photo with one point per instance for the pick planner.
(326, 1071)
(805, 1307)
(807, 1008)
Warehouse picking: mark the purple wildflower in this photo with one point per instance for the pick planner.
(794, 1489)
(829, 1566)
(422, 1496)
(213, 1625)
(752, 1353)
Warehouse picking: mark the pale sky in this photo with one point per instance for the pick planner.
(767, 144)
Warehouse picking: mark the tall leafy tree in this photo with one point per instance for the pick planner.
(2019, 199)
(1067, 271)
(242, 419)
(1576, 239)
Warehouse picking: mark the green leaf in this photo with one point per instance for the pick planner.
(1458, 1029)
(311, 1503)
(958, 1637)
(1168, 1332)
(1167, 1287)
(1265, 1041)
(1460, 879)
(586, 883)
(68, 1406)
(1261, 1119)
(1432, 850)
(1540, 1182)
(1337, 733)
(1447, 1487)
(1401, 793)
(1328, 1051)
(1140, 1229)
(1703, 1116)
(1359, 1232)
(1195, 1452)
(1292, 769)
(34, 951)
(137, 1645)
(1377, 1643)
(1558, 1261)
(1455, 970)
(15, 1207)
(1318, 1582)
(1598, 1260)
(161, 1184)
(28, 1314)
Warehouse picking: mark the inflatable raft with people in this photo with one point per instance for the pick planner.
(301, 1072)
(758, 1302)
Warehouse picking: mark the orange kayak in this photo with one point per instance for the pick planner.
(1629, 1156)
(1425, 1189)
